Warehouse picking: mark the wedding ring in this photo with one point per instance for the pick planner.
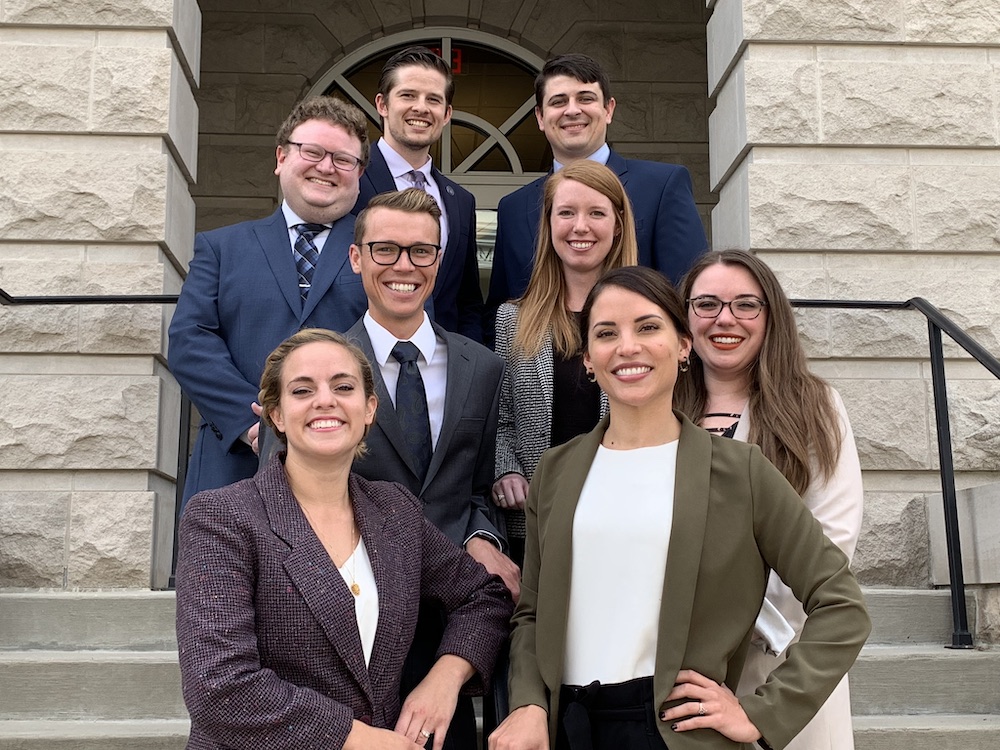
(425, 734)
(701, 709)
(500, 498)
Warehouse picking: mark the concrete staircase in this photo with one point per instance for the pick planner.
(90, 671)
(909, 692)
(98, 671)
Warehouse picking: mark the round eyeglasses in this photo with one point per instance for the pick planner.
(312, 152)
(387, 253)
(742, 308)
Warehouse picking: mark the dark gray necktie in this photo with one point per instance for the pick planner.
(411, 406)
(306, 254)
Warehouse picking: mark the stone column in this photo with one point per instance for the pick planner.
(98, 141)
(856, 147)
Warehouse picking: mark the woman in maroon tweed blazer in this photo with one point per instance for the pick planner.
(298, 589)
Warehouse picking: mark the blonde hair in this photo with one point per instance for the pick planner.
(542, 309)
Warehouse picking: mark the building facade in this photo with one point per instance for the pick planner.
(854, 145)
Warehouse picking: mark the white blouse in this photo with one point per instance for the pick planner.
(621, 534)
(358, 569)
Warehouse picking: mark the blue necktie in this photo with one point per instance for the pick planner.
(411, 406)
(306, 255)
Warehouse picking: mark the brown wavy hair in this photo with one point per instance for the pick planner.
(543, 307)
(270, 381)
(794, 420)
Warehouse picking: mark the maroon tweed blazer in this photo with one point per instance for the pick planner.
(268, 640)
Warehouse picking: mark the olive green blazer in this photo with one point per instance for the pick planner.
(735, 517)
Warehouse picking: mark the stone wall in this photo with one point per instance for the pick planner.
(98, 148)
(856, 146)
(259, 59)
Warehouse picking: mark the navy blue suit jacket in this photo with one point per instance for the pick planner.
(668, 227)
(240, 300)
(457, 300)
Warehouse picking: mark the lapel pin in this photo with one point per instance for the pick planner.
(450, 189)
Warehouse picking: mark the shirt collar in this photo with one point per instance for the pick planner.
(398, 166)
(382, 340)
(292, 218)
(601, 156)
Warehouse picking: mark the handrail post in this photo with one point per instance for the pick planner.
(960, 636)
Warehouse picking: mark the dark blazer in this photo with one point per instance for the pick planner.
(669, 230)
(734, 517)
(460, 474)
(240, 300)
(458, 300)
(267, 635)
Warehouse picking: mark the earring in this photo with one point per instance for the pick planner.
(685, 365)
(591, 376)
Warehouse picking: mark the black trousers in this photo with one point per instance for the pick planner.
(609, 717)
(426, 640)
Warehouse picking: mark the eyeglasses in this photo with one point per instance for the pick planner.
(312, 152)
(387, 253)
(742, 308)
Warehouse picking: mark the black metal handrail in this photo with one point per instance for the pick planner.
(937, 323)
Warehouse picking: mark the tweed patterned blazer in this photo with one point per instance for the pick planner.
(268, 639)
(525, 422)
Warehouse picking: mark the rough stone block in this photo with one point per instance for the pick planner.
(89, 12)
(988, 614)
(110, 539)
(33, 538)
(974, 409)
(69, 422)
(45, 87)
(668, 53)
(957, 207)
(889, 418)
(261, 104)
(216, 99)
(782, 101)
(46, 330)
(92, 196)
(237, 171)
(605, 42)
(951, 21)
(833, 20)
(297, 48)
(232, 46)
(679, 117)
(895, 103)
(121, 329)
(893, 548)
(829, 206)
(131, 90)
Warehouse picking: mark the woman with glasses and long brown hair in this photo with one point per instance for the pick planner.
(750, 381)
(587, 228)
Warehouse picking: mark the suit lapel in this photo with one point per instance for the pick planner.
(687, 536)
(378, 174)
(451, 210)
(274, 243)
(461, 373)
(619, 166)
(332, 262)
(386, 419)
(313, 573)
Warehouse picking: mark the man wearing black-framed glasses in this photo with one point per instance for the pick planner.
(251, 285)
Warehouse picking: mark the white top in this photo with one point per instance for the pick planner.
(621, 534)
(433, 364)
(291, 219)
(358, 569)
(398, 167)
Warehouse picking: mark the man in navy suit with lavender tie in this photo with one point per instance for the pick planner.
(252, 285)
(414, 100)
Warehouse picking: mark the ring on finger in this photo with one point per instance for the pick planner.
(701, 708)
(425, 734)
(500, 498)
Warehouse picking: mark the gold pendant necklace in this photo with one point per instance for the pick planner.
(355, 588)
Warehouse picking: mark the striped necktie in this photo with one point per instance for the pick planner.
(306, 254)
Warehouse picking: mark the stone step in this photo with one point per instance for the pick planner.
(925, 680)
(911, 616)
(936, 732)
(90, 685)
(127, 620)
(170, 734)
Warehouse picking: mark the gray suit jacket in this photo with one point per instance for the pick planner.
(458, 480)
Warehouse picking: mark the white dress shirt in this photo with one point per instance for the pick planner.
(601, 156)
(433, 364)
(398, 167)
(358, 569)
(291, 219)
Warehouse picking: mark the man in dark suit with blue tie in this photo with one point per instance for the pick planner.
(414, 100)
(574, 106)
(438, 393)
(252, 285)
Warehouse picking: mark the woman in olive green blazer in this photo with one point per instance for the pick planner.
(734, 518)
